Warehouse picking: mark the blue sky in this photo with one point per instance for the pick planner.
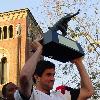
(9, 5)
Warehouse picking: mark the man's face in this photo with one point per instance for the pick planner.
(47, 79)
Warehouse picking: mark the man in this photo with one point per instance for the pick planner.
(8, 91)
(43, 72)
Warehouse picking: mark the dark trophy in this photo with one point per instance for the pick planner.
(59, 47)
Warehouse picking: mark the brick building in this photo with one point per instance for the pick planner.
(18, 29)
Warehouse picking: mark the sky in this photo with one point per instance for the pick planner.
(7, 5)
(33, 5)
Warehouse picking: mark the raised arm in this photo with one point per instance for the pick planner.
(29, 69)
(86, 89)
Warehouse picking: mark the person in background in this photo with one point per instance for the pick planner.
(8, 91)
(42, 72)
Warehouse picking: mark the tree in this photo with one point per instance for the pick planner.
(84, 28)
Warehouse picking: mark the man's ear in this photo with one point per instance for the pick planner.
(37, 78)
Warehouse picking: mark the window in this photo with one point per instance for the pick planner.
(3, 70)
(10, 31)
(0, 33)
(5, 32)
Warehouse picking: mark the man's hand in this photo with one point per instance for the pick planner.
(36, 46)
(77, 60)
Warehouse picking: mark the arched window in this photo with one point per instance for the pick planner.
(10, 31)
(0, 33)
(5, 32)
(3, 70)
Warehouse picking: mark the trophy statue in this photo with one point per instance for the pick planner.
(62, 24)
(59, 47)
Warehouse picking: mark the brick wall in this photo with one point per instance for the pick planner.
(16, 49)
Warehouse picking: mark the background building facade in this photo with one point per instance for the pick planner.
(18, 29)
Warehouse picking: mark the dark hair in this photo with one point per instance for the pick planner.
(42, 65)
(4, 89)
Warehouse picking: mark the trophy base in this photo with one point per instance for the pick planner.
(60, 53)
(60, 48)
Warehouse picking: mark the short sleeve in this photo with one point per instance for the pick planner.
(23, 96)
(17, 95)
(73, 92)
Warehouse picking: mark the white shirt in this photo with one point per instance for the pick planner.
(38, 95)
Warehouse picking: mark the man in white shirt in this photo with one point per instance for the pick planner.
(42, 73)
